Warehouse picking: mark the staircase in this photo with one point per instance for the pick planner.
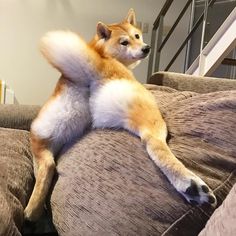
(212, 48)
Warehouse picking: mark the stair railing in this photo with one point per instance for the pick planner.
(158, 42)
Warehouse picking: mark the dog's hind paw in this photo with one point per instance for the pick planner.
(196, 191)
(198, 194)
(31, 214)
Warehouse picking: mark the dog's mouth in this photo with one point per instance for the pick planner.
(144, 56)
(141, 56)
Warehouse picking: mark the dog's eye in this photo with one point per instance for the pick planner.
(124, 43)
(137, 36)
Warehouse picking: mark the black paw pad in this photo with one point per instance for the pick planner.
(193, 189)
(193, 202)
(211, 199)
(205, 189)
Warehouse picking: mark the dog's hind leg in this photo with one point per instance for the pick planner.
(146, 121)
(44, 168)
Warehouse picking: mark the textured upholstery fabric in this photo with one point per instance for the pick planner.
(17, 117)
(198, 84)
(223, 220)
(16, 179)
(107, 184)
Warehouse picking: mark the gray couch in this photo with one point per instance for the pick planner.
(107, 185)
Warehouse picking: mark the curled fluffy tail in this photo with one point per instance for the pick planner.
(71, 55)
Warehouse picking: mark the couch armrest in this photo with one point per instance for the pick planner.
(199, 84)
(17, 116)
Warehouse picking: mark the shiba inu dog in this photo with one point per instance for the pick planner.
(97, 87)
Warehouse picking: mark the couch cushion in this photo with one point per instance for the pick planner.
(107, 184)
(16, 179)
(185, 82)
(17, 116)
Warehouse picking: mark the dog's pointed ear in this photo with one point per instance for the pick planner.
(130, 18)
(103, 31)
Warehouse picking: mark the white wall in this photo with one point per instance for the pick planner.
(22, 23)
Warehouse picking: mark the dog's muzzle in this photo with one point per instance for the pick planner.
(146, 49)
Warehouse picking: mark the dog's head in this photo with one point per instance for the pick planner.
(122, 41)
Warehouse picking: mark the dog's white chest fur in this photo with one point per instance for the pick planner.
(110, 102)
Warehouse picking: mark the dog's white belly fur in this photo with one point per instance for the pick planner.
(109, 104)
(65, 117)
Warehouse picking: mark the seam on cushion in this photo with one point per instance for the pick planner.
(233, 173)
(176, 221)
(205, 213)
(15, 129)
(230, 175)
(180, 218)
(191, 209)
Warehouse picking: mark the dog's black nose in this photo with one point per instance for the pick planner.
(146, 49)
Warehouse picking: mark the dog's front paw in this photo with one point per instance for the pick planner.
(196, 191)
